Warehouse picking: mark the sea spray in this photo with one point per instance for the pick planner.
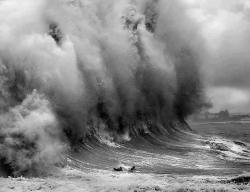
(30, 137)
(71, 68)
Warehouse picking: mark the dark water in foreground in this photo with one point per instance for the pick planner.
(212, 149)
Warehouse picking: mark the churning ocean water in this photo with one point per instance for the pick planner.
(215, 149)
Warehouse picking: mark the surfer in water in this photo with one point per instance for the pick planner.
(123, 168)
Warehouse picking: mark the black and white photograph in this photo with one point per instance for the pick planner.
(124, 95)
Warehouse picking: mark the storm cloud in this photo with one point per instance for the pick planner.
(225, 26)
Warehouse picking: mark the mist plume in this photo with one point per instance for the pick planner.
(69, 68)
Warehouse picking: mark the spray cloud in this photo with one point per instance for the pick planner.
(71, 67)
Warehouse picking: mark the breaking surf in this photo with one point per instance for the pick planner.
(104, 84)
(187, 154)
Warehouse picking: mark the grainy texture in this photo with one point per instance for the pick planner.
(105, 181)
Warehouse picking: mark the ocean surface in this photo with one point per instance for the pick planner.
(213, 149)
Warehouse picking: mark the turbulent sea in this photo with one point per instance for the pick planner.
(87, 86)
(214, 149)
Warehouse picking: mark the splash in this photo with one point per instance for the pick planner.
(30, 138)
(123, 67)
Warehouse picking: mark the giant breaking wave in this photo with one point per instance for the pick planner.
(74, 69)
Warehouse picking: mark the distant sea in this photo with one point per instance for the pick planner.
(234, 130)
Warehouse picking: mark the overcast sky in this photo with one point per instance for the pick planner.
(225, 26)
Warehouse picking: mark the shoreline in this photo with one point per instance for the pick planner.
(73, 180)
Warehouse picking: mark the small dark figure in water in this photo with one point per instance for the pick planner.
(132, 169)
(118, 169)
